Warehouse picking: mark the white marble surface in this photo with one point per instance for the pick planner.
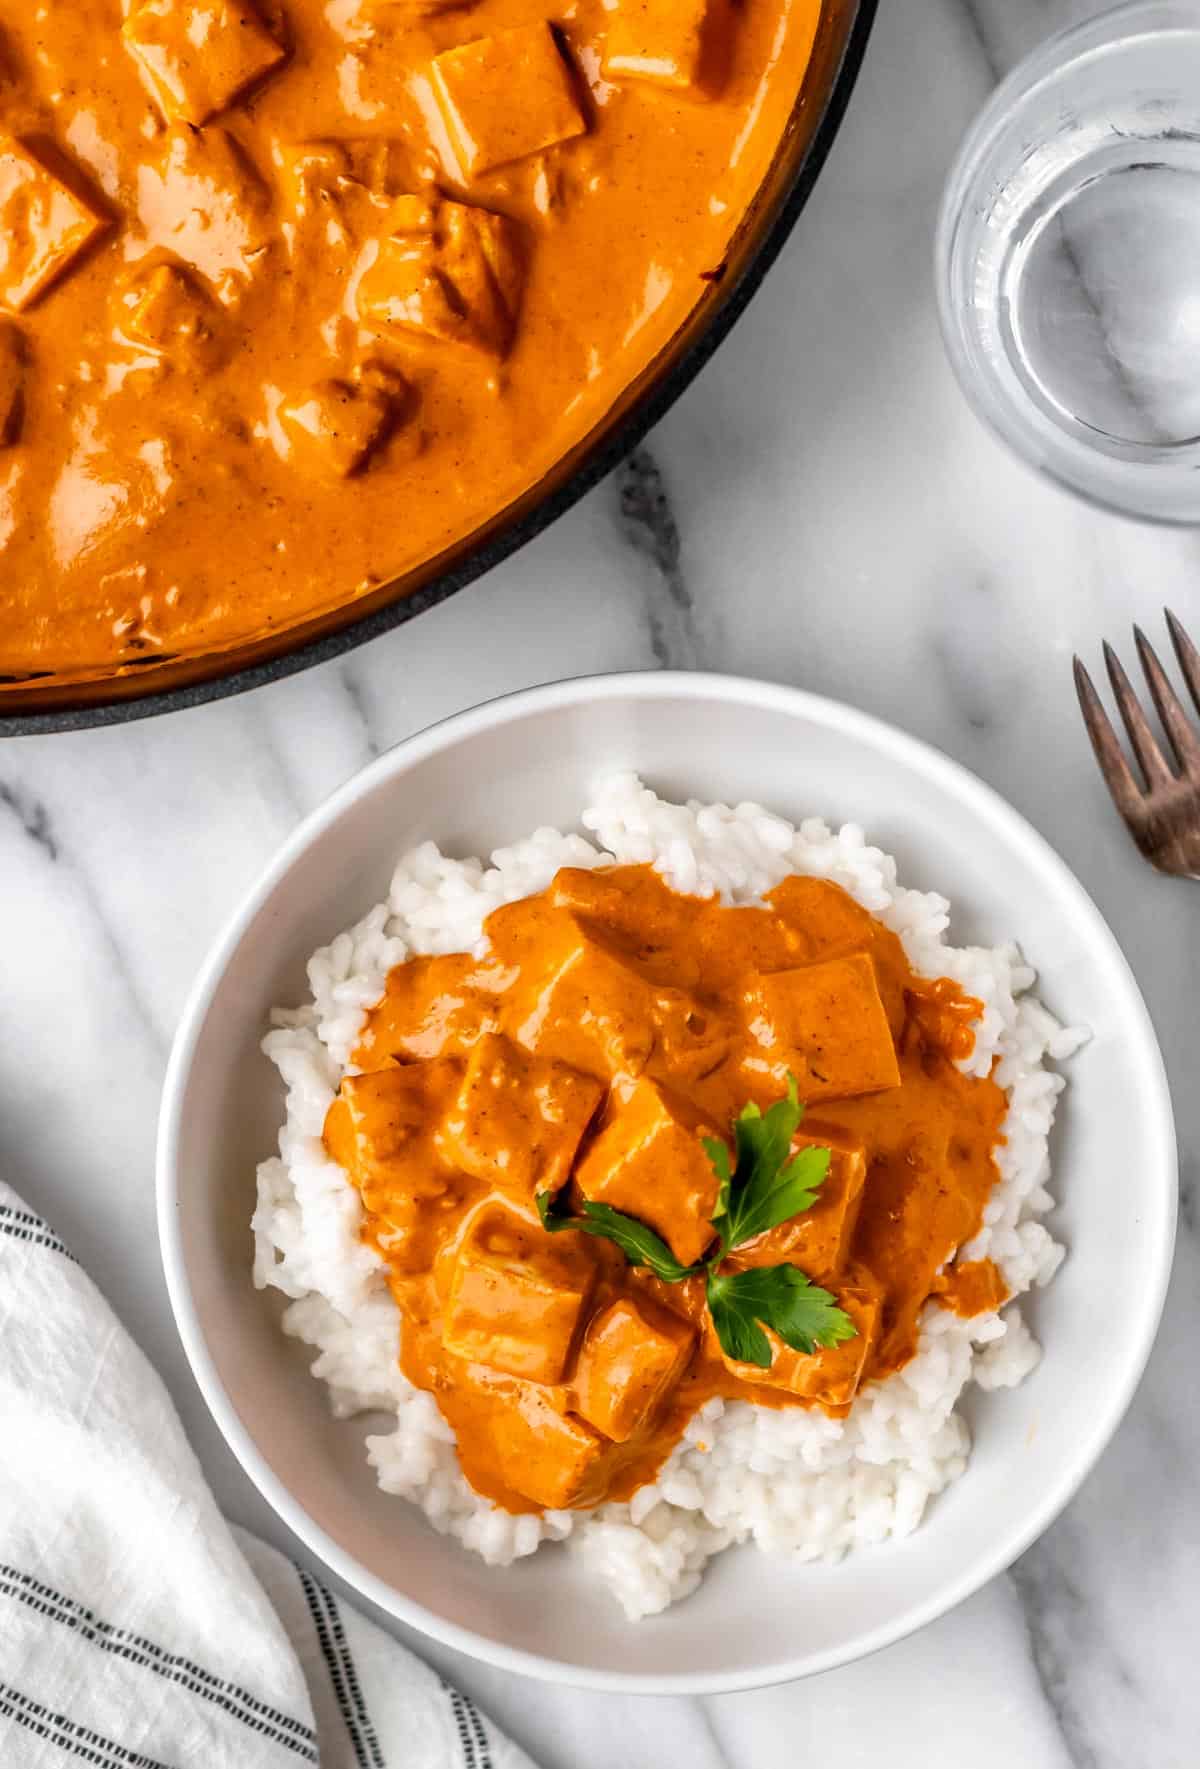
(841, 522)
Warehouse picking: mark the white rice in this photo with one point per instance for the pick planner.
(792, 1480)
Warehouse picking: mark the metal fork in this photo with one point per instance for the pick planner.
(1163, 817)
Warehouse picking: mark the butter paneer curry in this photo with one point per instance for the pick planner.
(611, 1027)
(294, 293)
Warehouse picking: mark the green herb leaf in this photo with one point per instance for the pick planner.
(792, 1190)
(739, 1333)
(639, 1244)
(718, 1153)
(764, 1188)
(759, 1187)
(782, 1298)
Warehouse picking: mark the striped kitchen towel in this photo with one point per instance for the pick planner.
(137, 1630)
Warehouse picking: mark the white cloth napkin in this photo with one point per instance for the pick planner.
(136, 1630)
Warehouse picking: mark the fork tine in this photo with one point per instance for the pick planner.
(1185, 651)
(1118, 776)
(1176, 723)
(1145, 744)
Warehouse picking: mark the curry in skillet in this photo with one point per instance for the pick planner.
(294, 293)
(582, 1249)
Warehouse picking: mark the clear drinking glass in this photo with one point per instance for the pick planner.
(1068, 260)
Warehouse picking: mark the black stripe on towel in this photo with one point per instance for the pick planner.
(258, 1715)
(484, 1758)
(360, 1707)
(335, 1650)
(80, 1741)
(471, 1734)
(23, 1225)
(462, 1723)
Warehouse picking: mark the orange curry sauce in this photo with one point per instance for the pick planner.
(613, 1023)
(296, 293)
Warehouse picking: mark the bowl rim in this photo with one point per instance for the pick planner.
(595, 456)
(945, 773)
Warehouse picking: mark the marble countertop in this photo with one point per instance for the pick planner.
(821, 509)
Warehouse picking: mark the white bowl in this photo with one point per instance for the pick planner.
(475, 782)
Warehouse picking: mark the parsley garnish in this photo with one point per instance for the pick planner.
(639, 1244)
(764, 1188)
(797, 1311)
(759, 1189)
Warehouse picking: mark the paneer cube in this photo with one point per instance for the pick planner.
(505, 97)
(579, 997)
(606, 895)
(639, 917)
(648, 1161)
(337, 192)
(832, 925)
(831, 1375)
(336, 195)
(202, 200)
(430, 1007)
(633, 1354)
(586, 1000)
(164, 309)
(447, 271)
(818, 1241)
(13, 364)
(544, 1454)
(827, 1025)
(333, 430)
(517, 1297)
(519, 1118)
(682, 45)
(382, 1128)
(44, 225)
(198, 56)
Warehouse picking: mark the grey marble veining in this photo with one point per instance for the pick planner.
(819, 508)
(647, 521)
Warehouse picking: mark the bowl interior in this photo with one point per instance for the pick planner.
(481, 780)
